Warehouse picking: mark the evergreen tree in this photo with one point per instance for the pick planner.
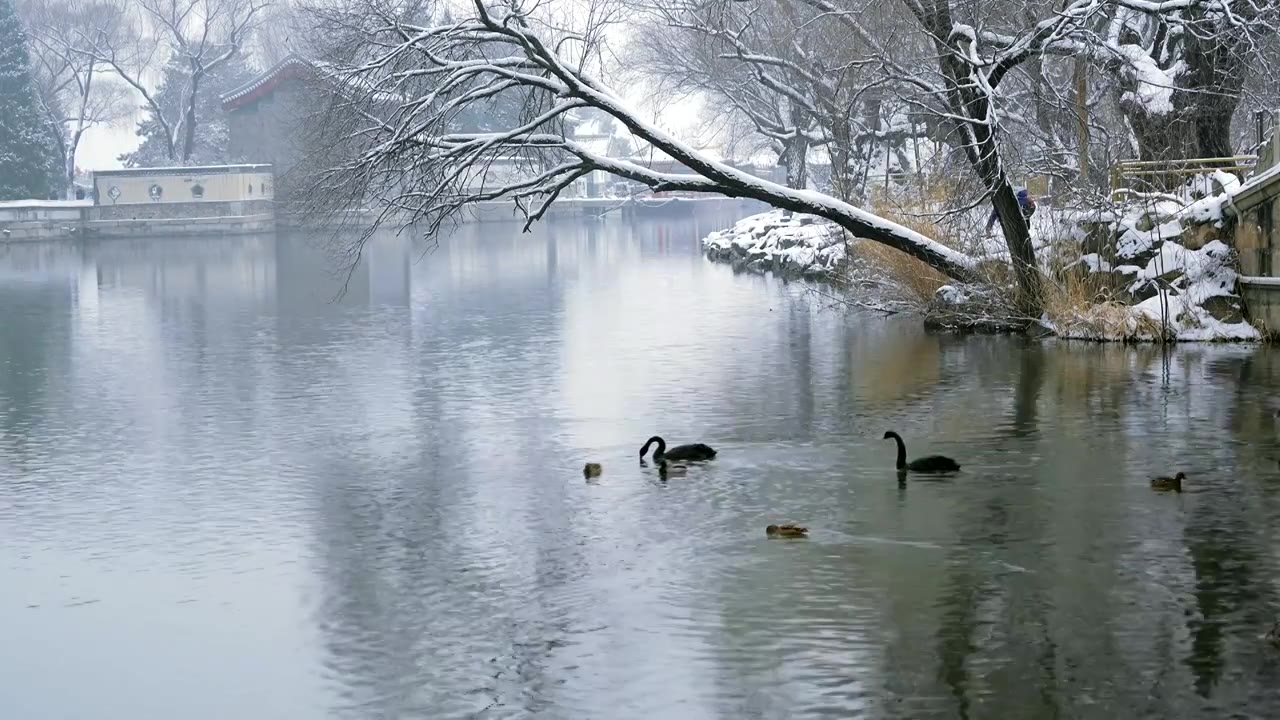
(211, 137)
(28, 159)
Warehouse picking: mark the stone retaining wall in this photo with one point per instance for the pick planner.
(140, 220)
(183, 210)
(179, 226)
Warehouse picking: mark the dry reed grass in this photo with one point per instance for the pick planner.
(1268, 335)
(912, 278)
(1084, 307)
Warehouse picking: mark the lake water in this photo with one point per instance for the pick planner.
(224, 493)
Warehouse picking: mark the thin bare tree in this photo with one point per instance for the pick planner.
(199, 34)
(77, 90)
(803, 82)
(1179, 67)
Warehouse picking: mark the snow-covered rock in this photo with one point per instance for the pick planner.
(1182, 286)
(791, 244)
(1168, 274)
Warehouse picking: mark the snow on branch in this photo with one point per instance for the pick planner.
(488, 104)
(197, 35)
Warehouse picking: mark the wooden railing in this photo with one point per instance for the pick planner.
(1130, 177)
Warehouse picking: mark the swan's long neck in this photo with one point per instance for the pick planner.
(902, 451)
(662, 449)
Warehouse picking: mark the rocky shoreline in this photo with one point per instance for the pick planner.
(1152, 287)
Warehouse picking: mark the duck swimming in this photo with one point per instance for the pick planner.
(691, 452)
(786, 531)
(592, 470)
(928, 464)
(1163, 483)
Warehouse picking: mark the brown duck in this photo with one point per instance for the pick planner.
(1168, 483)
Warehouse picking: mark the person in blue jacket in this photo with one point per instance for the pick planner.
(1025, 202)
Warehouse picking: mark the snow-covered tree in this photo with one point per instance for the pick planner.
(802, 81)
(209, 142)
(1001, 87)
(1169, 75)
(1010, 86)
(76, 90)
(199, 36)
(1182, 72)
(28, 163)
(746, 61)
(412, 160)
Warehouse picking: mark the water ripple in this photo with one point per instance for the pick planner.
(372, 505)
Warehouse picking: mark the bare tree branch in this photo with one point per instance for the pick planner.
(77, 91)
(200, 34)
(418, 166)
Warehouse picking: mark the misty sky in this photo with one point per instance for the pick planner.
(102, 146)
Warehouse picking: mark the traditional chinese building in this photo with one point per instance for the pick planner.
(264, 115)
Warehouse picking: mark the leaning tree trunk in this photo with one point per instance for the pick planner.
(968, 98)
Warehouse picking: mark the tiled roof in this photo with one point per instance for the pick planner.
(292, 66)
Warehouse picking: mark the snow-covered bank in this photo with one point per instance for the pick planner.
(792, 245)
(1164, 276)
(798, 246)
(1173, 276)
(1165, 287)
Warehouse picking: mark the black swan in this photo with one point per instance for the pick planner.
(679, 453)
(1169, 483)
(930, 464)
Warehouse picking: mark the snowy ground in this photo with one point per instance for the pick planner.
(22, 204)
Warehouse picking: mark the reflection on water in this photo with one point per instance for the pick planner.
(227, 489)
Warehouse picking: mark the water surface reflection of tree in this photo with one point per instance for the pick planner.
(35, 336)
